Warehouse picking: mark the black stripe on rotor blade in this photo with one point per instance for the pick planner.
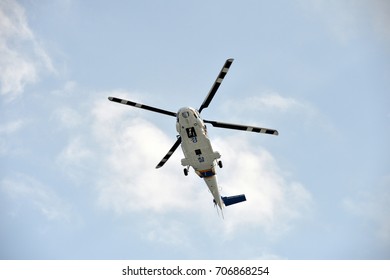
(142, 106)
(216, 84)
(243, 127)
(170, 152)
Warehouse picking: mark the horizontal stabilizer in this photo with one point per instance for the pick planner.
(229, 200)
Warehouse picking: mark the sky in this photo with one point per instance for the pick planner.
(77, 172)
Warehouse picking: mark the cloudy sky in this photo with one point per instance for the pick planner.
(77, 176)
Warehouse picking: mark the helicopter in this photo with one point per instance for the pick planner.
(195, 143)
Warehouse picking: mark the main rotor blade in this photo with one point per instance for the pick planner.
(170, 152)
(243, 127)
(142, 106)
(216, 84)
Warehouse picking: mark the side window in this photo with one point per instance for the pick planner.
(191, 132)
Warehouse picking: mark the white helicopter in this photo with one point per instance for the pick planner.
(195, 143)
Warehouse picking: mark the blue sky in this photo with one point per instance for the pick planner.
(77, 176)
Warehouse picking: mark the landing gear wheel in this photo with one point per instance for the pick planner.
(185, 172)
(220, 164)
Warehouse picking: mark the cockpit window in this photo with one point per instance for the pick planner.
(185, 114)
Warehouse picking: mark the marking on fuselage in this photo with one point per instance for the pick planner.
(191, 132)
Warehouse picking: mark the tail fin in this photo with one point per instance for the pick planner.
(230, 200)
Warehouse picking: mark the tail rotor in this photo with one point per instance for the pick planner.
(218, 208)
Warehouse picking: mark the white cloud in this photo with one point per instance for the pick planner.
(273, 109)
(268, 100)
(6, 131)
(121, 150)
(22, 58)
(275, 101)
(11, 127)
(273, 201)
(170, 232)
(78, 159)
(130, 183)
(75, 153)
(274, 104)
(26, 191)
(68, 117)
(68, 88)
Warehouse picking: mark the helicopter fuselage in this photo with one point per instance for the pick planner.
(197, 149)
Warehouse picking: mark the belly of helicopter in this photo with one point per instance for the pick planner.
(197, 149)
(200, 155)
